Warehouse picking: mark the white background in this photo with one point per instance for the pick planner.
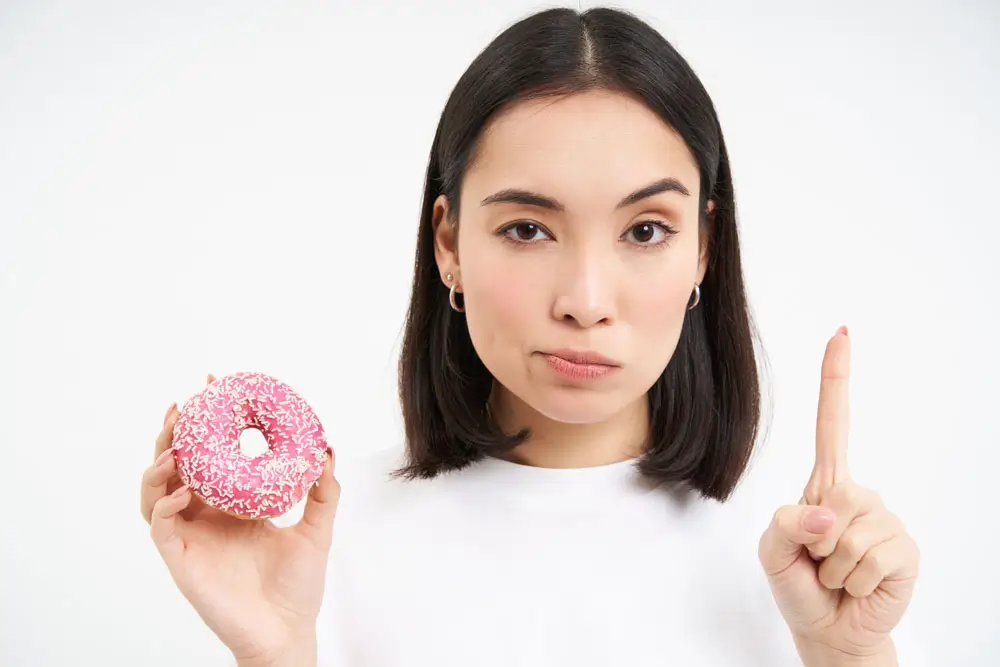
(196, 187)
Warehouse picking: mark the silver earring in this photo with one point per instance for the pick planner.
(451, 299)
(697, 296)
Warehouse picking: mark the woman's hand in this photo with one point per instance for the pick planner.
(841, 566)
(257, 587)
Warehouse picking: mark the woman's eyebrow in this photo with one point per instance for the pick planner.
(528, 198)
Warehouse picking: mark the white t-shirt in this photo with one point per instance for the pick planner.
(517, 566)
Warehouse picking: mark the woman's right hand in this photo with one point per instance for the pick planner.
(258, 587)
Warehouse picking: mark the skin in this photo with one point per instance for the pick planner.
(584, 280)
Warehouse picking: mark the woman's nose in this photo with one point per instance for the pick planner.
(585, 291)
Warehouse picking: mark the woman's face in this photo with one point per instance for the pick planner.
(554, 259)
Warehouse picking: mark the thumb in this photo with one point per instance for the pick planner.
(792, 527)
(321, 506)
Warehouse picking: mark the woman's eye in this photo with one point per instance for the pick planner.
(649, 233)
(524, 232)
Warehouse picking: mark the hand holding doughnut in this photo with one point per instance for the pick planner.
(258, 587)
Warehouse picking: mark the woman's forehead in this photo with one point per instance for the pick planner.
(594, 139)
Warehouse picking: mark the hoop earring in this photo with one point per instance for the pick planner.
(451, 299)
(697, 296)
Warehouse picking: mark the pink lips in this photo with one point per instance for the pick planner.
(580, 365)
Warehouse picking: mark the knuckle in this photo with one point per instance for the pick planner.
(159, 507)
(852, 546)
(829, 578)
(775, 525)
(899, 525)
(848, 493)
(145, 504)
(875, 561)
(811, 494)
(825, 573)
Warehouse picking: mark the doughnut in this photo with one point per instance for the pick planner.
(206, 446)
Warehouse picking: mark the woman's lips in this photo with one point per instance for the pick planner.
(580, 365)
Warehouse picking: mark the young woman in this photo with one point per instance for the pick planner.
(580, 395)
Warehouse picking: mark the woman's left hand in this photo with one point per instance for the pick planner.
(841, 566)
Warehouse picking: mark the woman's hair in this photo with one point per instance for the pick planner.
(705, 406)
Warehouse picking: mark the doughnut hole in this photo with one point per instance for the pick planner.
(253, 443)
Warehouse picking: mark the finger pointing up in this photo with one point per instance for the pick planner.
(833, 416)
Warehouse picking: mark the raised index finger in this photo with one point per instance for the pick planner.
(833, 414)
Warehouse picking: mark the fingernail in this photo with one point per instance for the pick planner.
(169, 411)
(842, 330)
(180, 491)
(819, 521)
(164, 457)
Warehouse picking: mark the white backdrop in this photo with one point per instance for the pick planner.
(196, 187)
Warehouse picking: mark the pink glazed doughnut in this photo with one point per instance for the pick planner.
(207, 446)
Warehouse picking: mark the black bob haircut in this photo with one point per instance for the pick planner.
(704, 408)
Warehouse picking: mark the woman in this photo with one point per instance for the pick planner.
(580, 397)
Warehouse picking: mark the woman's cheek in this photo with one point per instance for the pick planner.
(501, 302)
(658, 314)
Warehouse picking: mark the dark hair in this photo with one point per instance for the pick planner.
(705, 406)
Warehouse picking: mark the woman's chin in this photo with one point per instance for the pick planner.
(578, 409)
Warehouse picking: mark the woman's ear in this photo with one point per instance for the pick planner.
(704, 242)
(445, 239)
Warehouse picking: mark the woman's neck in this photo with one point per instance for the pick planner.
(556, 444)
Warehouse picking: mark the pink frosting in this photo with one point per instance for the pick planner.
(207, 446)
